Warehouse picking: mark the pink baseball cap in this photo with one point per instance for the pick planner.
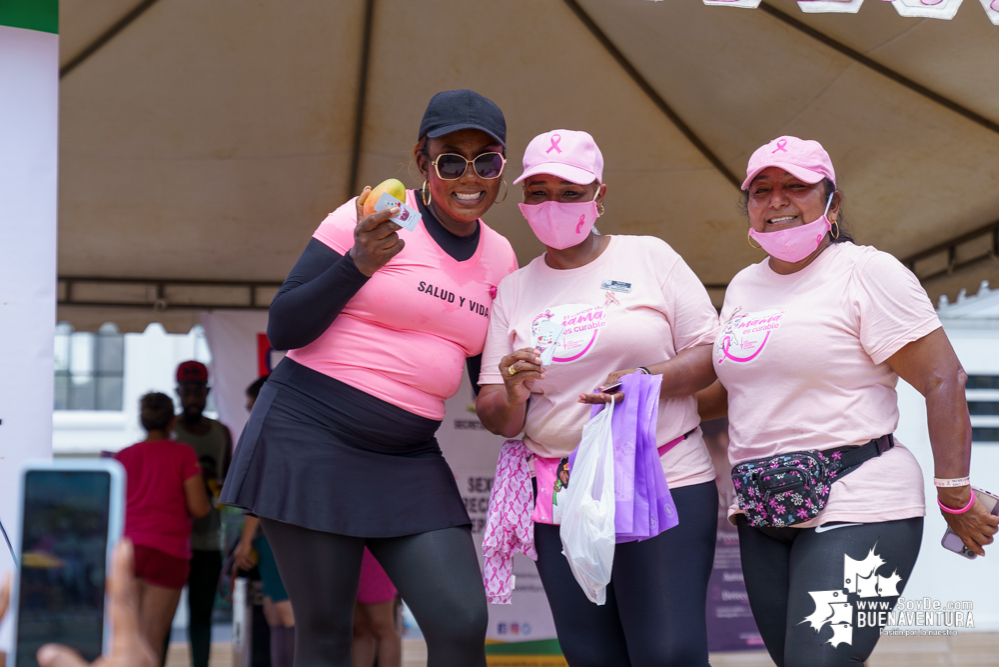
(805, 159)
(568, 154)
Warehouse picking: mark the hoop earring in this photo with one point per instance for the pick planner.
(423, 195)
(836, 225)
(600, 210)
(505, 193)
(750, 240)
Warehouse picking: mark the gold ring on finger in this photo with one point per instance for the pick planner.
(511, 370)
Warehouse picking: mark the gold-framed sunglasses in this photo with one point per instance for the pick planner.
(451, 166)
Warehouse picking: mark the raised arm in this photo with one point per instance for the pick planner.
(931, 366)
(323, 281)
(502, 408)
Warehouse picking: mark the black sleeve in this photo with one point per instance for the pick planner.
(315, 292)
(474, 366)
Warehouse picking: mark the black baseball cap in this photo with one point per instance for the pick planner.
(454, 110)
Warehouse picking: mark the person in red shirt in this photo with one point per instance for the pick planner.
(164, 492)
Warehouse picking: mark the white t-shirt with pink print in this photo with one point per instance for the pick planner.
(802, 357)
(636, 304)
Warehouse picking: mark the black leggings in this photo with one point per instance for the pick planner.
(437, 574)
(786, 569)
(655, 610)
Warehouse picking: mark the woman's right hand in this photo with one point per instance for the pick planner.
(516, 369)
(375, 237)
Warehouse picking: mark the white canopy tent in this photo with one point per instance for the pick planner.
(203, 141)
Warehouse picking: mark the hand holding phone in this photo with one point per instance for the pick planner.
(128, 649)
(953, 542)
(72, 515)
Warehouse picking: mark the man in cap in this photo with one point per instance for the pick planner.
(212, 443)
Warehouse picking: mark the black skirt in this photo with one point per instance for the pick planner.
(324, 455)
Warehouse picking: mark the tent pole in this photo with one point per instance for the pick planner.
(651, 92)
(879, 68)
(105, 37)
(362, 94)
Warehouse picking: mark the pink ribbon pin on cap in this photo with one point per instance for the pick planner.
(569, 154)
(805, 159)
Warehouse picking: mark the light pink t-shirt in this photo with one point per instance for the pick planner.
(637, 304)
(405, 335)
(803, 359)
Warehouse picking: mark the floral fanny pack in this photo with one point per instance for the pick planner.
(792, 488)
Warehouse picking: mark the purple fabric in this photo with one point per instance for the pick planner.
(624, 426)
(643, 505)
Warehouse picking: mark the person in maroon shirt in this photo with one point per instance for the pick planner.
(164, 492)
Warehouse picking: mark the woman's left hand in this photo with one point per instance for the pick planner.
(975, 527)
(600, 397)
(243, 555)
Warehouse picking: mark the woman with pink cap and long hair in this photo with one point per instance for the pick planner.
(813, 341)
(624, 301)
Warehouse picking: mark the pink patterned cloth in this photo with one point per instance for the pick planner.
(509, 527)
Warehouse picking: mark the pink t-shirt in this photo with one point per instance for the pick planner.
(803, 359)
(156, 507)
(637, 304)
(405, 335)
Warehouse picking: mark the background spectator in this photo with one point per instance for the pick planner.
(212, 443)
(164, 491)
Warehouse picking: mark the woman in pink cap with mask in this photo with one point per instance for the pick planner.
(812, 343)
(600, 303)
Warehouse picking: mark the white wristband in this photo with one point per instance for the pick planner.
(947, 483)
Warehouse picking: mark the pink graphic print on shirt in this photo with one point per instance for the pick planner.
(581, 326)
(744, 336)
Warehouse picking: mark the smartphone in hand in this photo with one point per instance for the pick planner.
(72, 516)
(610, 389)
(952, 542)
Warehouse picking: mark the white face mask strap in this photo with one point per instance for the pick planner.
(828, 203)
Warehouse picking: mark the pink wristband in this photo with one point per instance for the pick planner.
(960, 511)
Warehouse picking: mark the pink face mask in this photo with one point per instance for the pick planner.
(561, 225)
(796, 243)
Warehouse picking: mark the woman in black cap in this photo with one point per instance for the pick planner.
(339, 452)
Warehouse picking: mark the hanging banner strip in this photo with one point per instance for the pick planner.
(933, 9)
(830, 6)
(991, 10)
(745, 4)
(928, 9)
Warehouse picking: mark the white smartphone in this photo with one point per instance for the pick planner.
(72, 516)
(952, 542)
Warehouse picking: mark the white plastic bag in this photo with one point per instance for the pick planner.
(587, 530)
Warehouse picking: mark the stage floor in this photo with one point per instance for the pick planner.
(969, 649)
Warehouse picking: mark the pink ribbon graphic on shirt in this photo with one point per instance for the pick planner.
(727, 344)
(995, 5)
(582, 221)
(556, 138)
(781, 143)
